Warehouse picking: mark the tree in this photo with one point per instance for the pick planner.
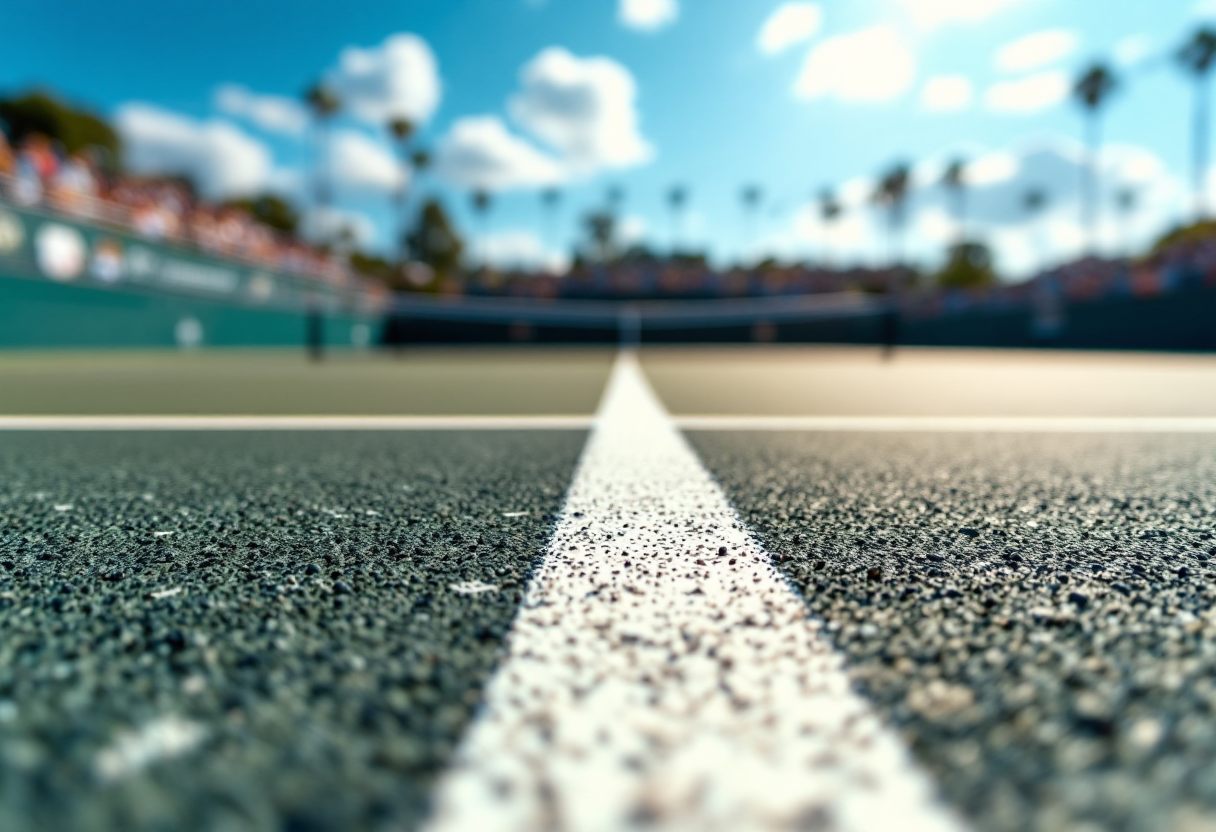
(954, 180)
(751, 196)
(435, 241)
(830, 211)
(969, 266)
(616, 198)
(77, 130)
(271, 210)
(1196, 57)
(1127, 199)
(482, 202)
(402, 132)
(1092, 91)
(892, 195)
(1034, 202)
(324, 104)
(601, 235)
(677, 199)
(550, 200)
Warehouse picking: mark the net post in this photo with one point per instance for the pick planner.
(629, 327)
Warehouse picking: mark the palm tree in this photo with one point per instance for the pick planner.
(482, 202)
(751, 197)
(830, 211)
(1034, 202)
(677, 199)
(601, 231)
(954, 180)
(402, 131)
(1197, 56)
(1092, 91)
(892, 194)
(550, 200)
(420, 160)
(324, 104)
(615, 197)
(1127, 200)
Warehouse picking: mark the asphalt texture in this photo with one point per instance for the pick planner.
(254, 631)
(416, 381)
(1033, 612)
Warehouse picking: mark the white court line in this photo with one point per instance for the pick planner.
(652, 682)
(294, 422)
(955, 424)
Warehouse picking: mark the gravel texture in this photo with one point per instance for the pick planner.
(254, 631)
(1034, 612)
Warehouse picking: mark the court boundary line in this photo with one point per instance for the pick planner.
(662, 667)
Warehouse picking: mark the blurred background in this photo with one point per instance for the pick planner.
(936, 172)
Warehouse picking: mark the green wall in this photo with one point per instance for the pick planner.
(71, 284)
(37, 314)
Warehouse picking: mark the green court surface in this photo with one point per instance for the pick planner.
(762, 381)
(417, 382)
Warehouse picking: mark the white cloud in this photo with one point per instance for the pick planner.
(584, 108)
(361, 163)
(992, 169)
(869, 65)
(931, 14)
(520, 250)
(856, 191)
(648, 15)
(1031, 94)
(789, 24)
(273, 113)
(399, 78)
(479, 152)
(947, 93)
(220, 159)
(1036, 50)
(632, 230)
(1132, 50)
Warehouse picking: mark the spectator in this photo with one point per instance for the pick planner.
(8, 163)
(75, 186)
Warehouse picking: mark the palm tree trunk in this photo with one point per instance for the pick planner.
(1091, 183)
(1200, 149)
(324, 193)
(403, 208)
(960, 213)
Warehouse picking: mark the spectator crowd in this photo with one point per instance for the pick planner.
(37, 172)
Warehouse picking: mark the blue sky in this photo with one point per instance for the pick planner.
(517, 95)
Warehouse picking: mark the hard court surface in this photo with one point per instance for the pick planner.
(761, 589)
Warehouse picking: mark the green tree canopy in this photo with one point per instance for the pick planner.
(435, 240)
(969, 266)
(271, 210)
(40, 112)
(601, 242)
(1198, 232)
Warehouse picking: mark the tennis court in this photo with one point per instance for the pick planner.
(746, 588)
